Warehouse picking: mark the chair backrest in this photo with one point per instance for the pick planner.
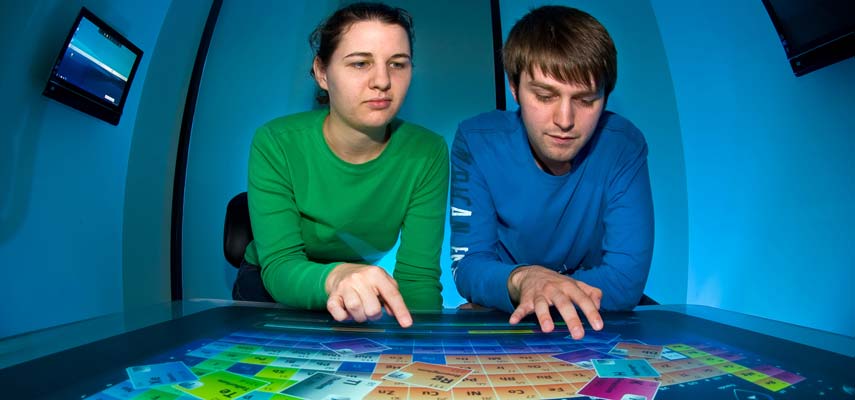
(237, 231)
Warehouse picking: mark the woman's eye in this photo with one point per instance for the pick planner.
(359, 64)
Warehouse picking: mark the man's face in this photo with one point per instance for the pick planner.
(559, 118)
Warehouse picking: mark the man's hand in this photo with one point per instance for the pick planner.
(536, 288)
(361, 292)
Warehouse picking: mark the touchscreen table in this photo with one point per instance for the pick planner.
(252, 353)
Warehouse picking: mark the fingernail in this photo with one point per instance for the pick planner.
(576, 331)
(598, 324)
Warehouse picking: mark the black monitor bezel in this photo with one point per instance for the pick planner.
(78, 98)
(833, 47)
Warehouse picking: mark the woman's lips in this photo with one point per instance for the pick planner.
(379, 104)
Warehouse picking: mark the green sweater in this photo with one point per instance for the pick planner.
(311, 211)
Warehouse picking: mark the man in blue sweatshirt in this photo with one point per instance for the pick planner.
(551, 204)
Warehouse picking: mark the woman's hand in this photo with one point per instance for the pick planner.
(361, 292)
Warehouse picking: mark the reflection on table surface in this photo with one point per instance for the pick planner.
(28, 346)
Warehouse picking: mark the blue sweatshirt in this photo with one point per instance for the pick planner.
(594, 223)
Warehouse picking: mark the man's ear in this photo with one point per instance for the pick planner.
(320, 73)
(513, 90)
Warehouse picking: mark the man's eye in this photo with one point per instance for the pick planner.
(586, 102)
(544, 98)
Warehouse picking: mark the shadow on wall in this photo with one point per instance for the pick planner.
(23, 106)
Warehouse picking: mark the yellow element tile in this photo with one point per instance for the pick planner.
(275, 385)
(750, 375)
(772, 384)
(276, 373)
(731, 367)
(258, 360)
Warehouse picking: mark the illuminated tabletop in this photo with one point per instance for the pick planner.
(263, 352)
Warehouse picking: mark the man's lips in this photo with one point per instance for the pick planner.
(562, 139)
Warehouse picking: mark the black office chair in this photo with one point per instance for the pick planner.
(237, 231)
(647, 301)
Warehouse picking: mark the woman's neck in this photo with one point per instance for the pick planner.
(353, 145)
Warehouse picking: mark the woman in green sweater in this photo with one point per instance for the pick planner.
(331, 190)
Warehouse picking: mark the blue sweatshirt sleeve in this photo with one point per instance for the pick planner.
(628, 239)
(480, 275)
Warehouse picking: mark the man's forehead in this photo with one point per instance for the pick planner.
(536, 77)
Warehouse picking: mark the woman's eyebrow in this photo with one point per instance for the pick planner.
(359, 54)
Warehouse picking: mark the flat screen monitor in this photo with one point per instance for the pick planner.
(94, 70)
(815, 33)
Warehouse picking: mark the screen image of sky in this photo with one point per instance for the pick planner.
(90, 43)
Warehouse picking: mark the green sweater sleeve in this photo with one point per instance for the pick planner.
(286, 271)
(417, 268)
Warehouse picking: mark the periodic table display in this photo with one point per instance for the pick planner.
(287, 356)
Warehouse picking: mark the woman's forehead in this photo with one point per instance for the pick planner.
(373, 37)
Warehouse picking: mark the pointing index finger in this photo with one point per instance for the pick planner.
(394, 302)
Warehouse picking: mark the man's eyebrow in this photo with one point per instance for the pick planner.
(541, 85)
(584, 93)
(588, 93)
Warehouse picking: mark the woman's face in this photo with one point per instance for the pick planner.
(368, 74)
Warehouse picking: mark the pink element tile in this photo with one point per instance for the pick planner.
(616, 388)
(789, 377)
(768, 370)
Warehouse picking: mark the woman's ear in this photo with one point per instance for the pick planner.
(320, 73)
